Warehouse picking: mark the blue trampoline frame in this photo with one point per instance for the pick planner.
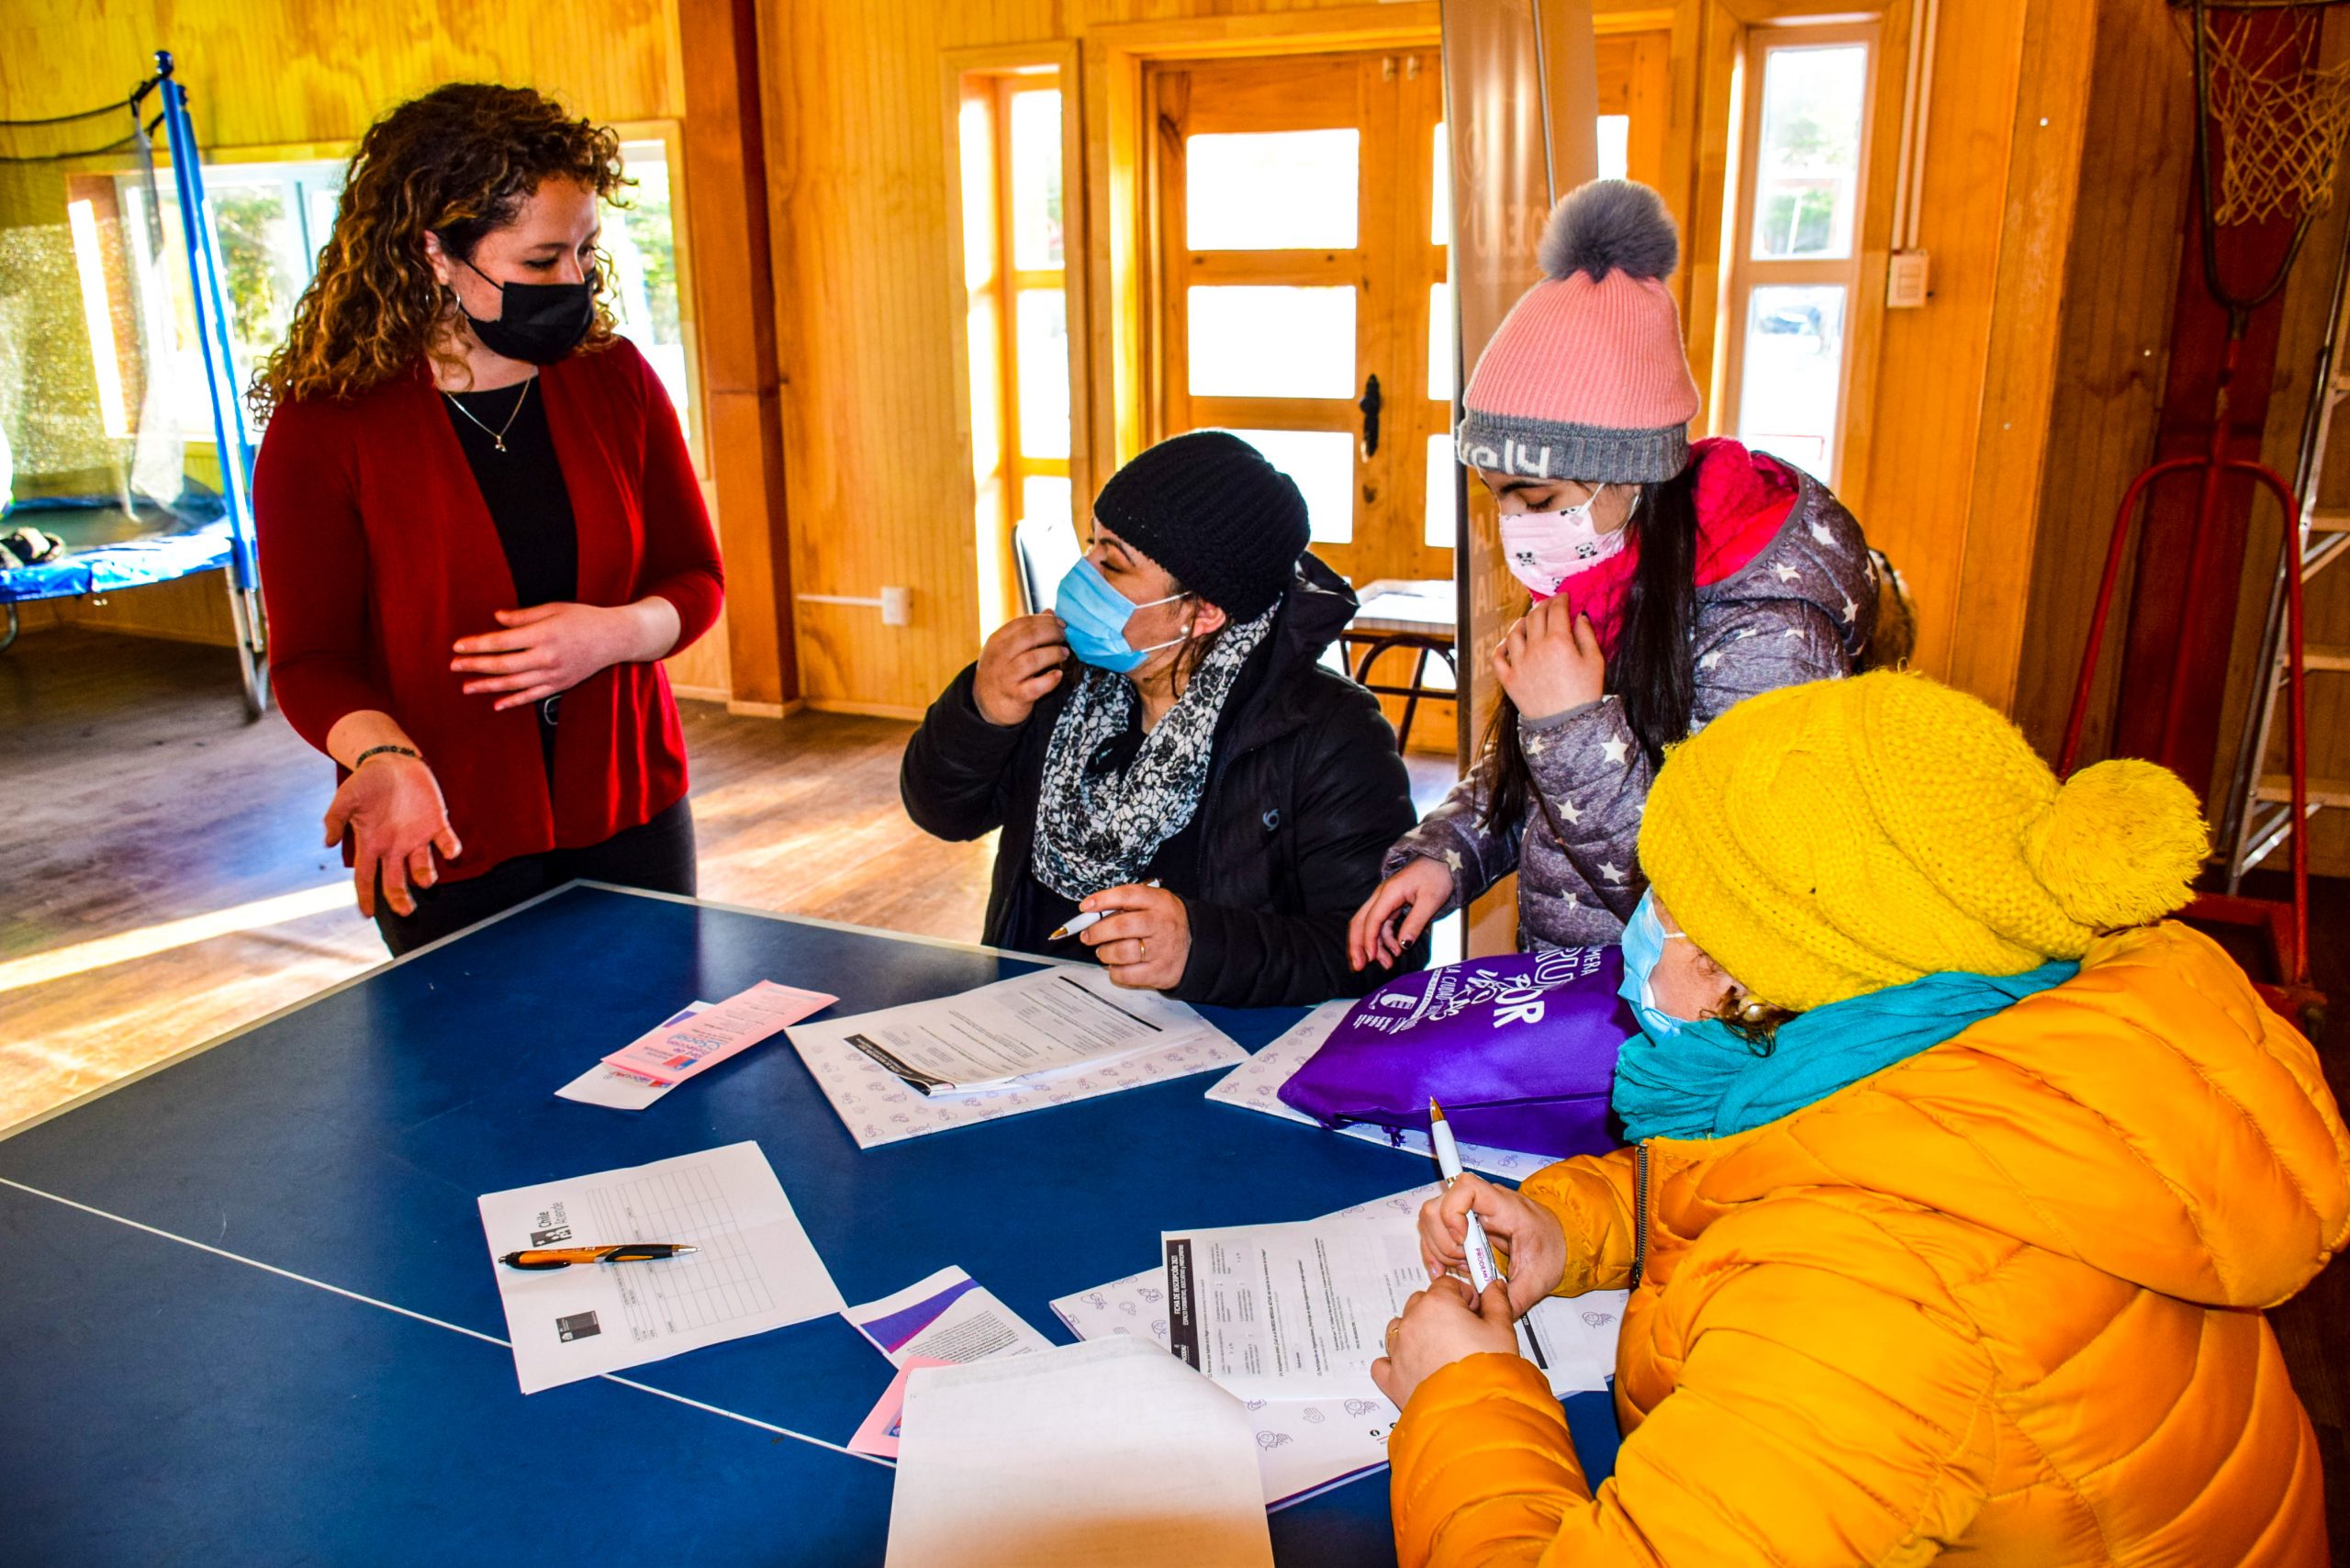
(138, 563)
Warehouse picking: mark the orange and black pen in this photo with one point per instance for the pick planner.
(564, 1257)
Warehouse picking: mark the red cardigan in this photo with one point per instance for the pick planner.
(377, 553)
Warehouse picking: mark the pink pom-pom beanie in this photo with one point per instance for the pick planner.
(1587, 377)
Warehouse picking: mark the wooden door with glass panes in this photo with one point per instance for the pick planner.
(1300, 287)
(1303, 220)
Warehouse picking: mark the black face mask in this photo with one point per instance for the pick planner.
(537, 322)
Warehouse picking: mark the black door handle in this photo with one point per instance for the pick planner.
(1370, 406)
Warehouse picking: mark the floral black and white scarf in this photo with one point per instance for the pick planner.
(1099, 829)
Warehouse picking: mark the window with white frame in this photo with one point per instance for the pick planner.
(273, 220)
(1795, 245)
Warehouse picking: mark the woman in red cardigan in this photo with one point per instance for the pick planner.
(479, 527)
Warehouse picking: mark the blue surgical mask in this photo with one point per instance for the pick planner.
(1096, 615)
(1644, 940)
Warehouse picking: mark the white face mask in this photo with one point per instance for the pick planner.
(1545, 548)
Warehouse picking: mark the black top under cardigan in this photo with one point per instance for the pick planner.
(1304, 794)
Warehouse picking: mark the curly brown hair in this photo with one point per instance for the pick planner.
(459, 162)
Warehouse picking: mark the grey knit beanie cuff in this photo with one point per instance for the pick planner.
(1540, 449)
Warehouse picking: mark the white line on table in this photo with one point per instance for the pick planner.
(436, 1322)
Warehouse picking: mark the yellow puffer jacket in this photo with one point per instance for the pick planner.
(1999, 1302)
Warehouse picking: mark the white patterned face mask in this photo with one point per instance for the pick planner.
(1545, 548)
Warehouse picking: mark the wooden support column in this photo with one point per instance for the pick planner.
(1522, 105)
(726, 182)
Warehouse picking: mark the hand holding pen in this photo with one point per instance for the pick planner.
(1476, 1250)
(1532, 1234)
(1141, 933)
(1086, 919)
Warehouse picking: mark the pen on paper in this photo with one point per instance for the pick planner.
(1090, 917)
(624, 1253)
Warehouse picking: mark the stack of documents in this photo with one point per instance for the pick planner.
(1047, 1038)
(948, 1319)
(1074, 1457)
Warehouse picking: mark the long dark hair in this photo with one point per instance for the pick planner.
(1649, 671)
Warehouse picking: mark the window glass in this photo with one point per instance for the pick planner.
(1442, 525)
(1282, 190)
(1249, 340)
(1323, 464)
(1792, 370)
(1036, 243)
(641, 243)
(1615, 147)
(1041, 322)
(1440, 207)
(1808, 170)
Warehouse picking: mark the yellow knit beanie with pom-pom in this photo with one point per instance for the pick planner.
(1824, 841)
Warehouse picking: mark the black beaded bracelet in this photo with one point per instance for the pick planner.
(379, 750)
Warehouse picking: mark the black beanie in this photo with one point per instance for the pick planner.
(1225, 523)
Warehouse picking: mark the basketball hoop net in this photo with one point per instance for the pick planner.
(2280, 120)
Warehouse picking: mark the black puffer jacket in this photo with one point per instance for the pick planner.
(1303, 795)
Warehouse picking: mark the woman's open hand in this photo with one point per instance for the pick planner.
(391, 806)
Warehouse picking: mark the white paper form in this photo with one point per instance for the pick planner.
(1305, 1447)
(1108, 1452)
(949, 1316)
(1300, 1311)
(1288, 1310)
(1026, 1028)
(878, 1107)
(754, 1268)
(604, 1084)
(1256, 1085)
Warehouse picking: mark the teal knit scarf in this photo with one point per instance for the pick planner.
(1708, 1080)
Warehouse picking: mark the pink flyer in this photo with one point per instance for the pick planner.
(686, 1045)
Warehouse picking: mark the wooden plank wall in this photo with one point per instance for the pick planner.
(1937, 416)
(263, 73)
(2115, 343)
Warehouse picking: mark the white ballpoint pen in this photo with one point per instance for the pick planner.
(1077, 923)
(1483, 1270)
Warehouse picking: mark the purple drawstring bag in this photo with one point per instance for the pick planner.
(1519, 1050)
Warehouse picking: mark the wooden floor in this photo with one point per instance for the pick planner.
(137, 807)
(140, 810)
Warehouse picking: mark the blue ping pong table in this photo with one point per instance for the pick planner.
(249, 1318)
